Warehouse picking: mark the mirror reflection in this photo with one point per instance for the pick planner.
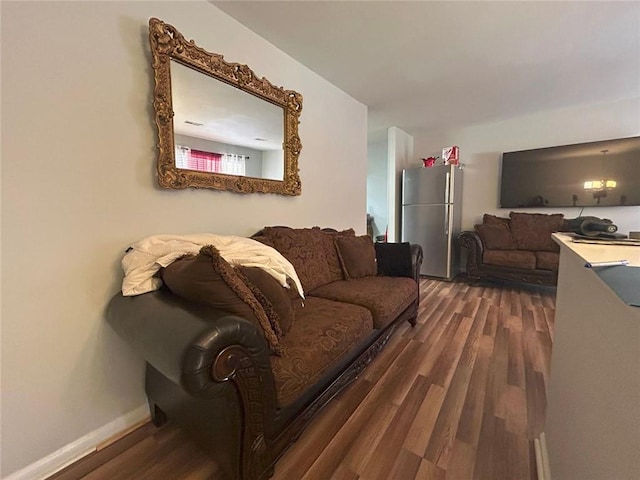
(219, 128)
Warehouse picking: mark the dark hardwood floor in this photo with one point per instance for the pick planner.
(459, 397)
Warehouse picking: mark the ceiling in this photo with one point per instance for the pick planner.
(424, 65)
(213, 110)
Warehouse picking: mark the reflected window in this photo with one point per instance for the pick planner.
(201, 161)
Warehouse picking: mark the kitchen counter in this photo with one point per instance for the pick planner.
(592, 428)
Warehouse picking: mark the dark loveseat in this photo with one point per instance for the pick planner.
(246, 384)
(514, 249)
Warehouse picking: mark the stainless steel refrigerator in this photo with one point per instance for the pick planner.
(431, 201)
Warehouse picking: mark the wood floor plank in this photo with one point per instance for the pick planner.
(405, 466)
(471, 417)
(383, 459)
(439, 318)
(319, 434)
(409, 373)
(343, 473)
(441, 443)
(447, 364)
(513, 410)
(421, 430)
(463, 458)
(365, 415)
(429, 471)
(369, 438)
(515, 373)
(491, 325)
(98, 458)
(460, 396)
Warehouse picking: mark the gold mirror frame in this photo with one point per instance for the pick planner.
(166, 44)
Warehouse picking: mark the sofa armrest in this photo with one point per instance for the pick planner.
(195, 346)
(219, 364)
(471, 240)
(416, 261)
(399, 259)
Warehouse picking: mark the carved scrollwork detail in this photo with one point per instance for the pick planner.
(234, 364)
(166, 44)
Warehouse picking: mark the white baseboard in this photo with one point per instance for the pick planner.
(542, 458)
(79, 448)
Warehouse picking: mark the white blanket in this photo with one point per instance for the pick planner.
(145, 258)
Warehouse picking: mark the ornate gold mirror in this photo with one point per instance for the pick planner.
(219, 125)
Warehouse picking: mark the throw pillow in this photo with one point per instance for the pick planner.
(271, 292)
(494, 220)
(207, 278)
(532, 231)
(495, 237)
(304, 248)
(331, 253)
(394, 259)
(357, 256)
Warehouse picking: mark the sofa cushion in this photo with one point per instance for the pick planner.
(208, 279)
(494, 220)
(329, 237)
(495, 236)
(308, 250)
(357, 256)
(532, 231)
(547, 260)
(276, 295)
(323, 333)
(510, 258)
(385, 297)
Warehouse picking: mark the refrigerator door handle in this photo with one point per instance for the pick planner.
(446, 187)
(446, 219)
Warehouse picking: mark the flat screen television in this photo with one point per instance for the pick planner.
(604, 174)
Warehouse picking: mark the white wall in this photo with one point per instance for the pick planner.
(78, 186)
(400, 157)
(273, 164)
(377, 182)
(481, 148)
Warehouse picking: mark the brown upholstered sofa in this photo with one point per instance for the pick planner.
(245, 383)
(514, 249)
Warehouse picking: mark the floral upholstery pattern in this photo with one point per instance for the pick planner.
(532, 231)
(547, 260)
(384, 297)
(357, 256)
(310, 250)
(331, 252)
(496, 236)
(317, 342)
(510, 258)
(489, 219)
(271, 295)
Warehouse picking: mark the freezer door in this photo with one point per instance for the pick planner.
(429, 227)
(426, 186)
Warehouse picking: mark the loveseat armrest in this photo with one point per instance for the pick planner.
(399, 259)
(470, 240)
(195, 346)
